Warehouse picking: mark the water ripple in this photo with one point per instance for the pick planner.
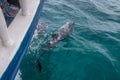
(90, 53)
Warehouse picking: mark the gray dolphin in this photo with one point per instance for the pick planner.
(61, 34)
(55, 38)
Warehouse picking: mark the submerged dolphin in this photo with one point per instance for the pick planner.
(61, 34)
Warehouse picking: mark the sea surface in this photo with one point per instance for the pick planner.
(91, 52)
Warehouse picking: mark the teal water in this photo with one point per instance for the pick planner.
(90, 53)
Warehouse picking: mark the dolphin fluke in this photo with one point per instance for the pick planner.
(39, 65)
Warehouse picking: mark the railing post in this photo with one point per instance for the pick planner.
(4, 37)
(24, 6)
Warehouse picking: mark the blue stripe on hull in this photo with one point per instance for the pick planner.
(12, 69)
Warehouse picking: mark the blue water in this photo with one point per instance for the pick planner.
(90, 53)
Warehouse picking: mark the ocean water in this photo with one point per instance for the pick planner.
(92, 52)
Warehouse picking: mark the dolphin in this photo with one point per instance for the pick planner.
(62, 33)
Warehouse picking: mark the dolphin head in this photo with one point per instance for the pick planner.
(68, 27)
(70, 24)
